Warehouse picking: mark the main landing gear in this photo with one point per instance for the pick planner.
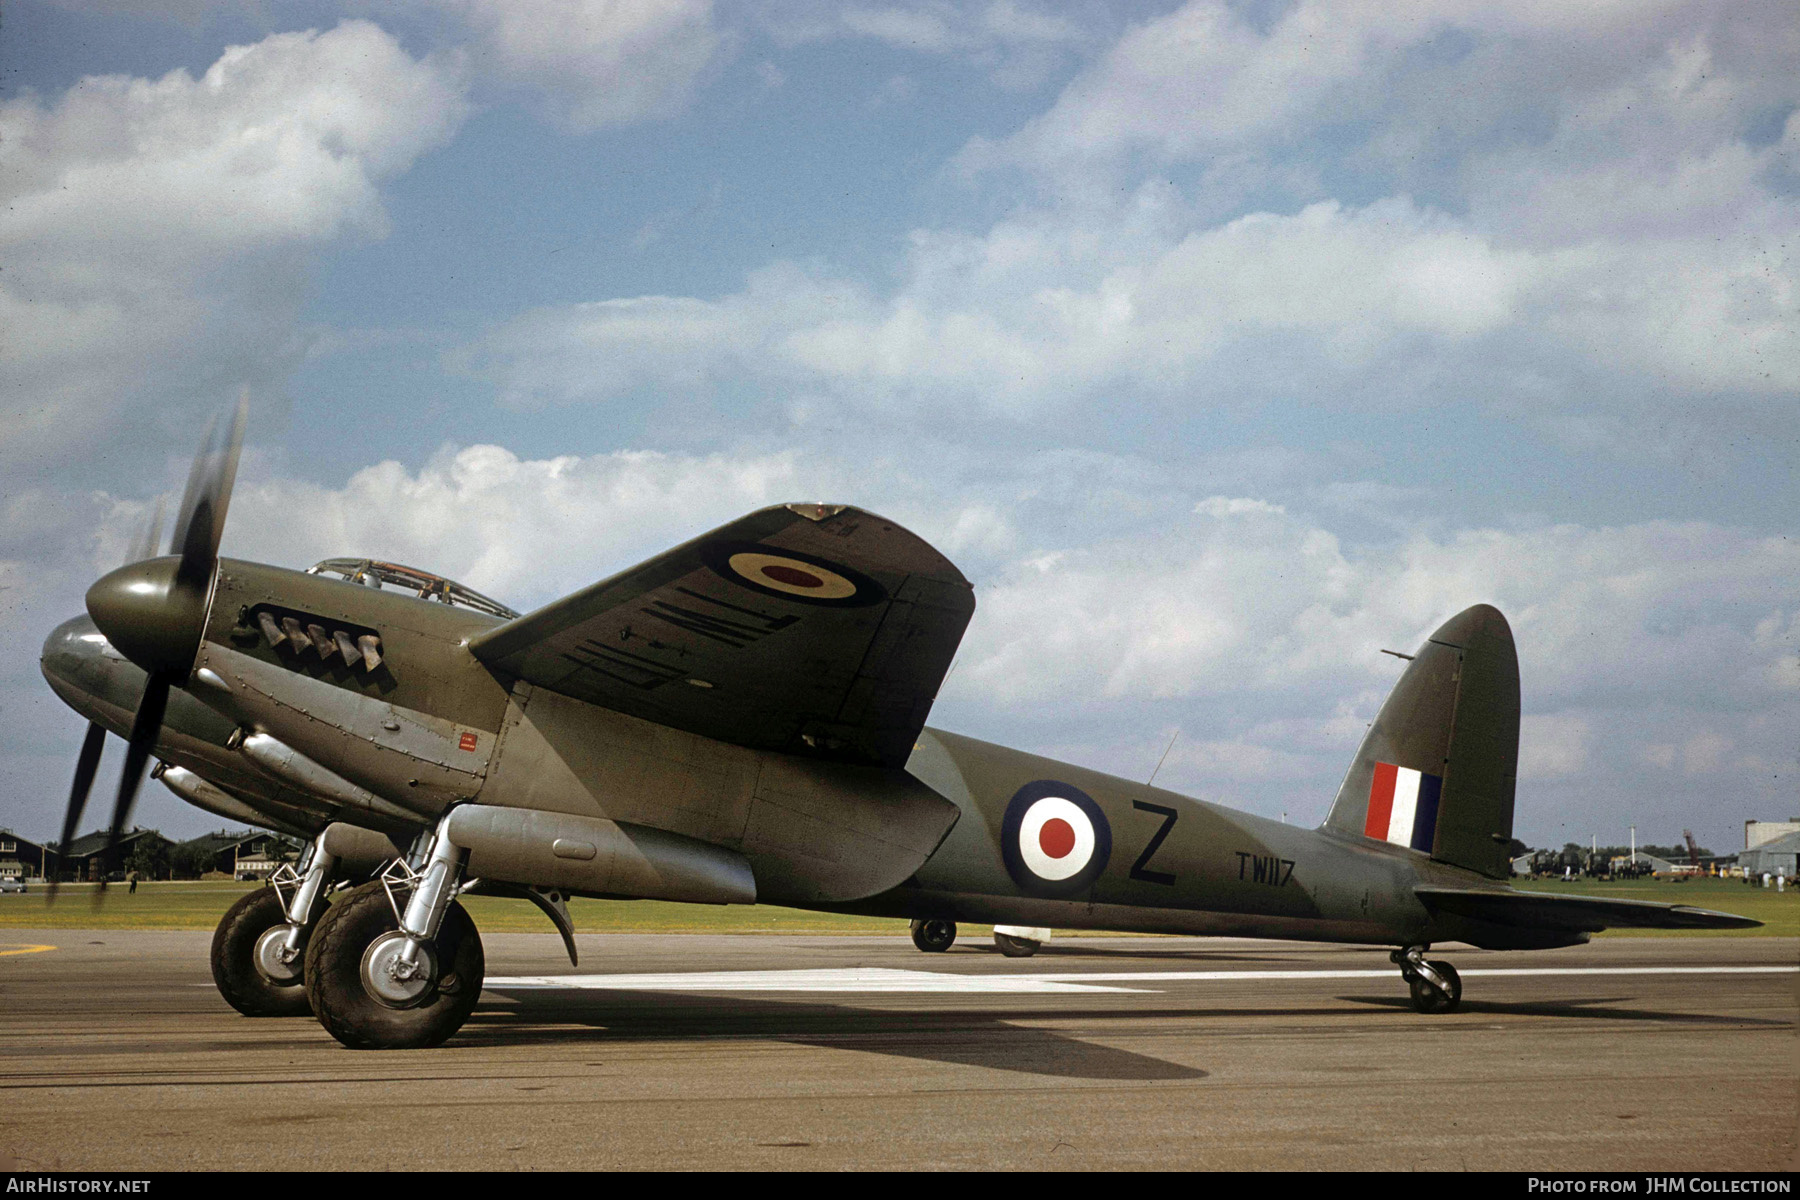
(259, 948)
(258, 951)
(397, 964)
(934, 937)
(1436, 987)
(247, 958)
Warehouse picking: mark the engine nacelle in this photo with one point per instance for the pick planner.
(598, 857)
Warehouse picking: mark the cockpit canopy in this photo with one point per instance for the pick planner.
(373, 573)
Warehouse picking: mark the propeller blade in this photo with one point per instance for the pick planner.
(144, 729)
(150, 538)
(155, 618)
(201, 520)
(86, 764)
(154, 611)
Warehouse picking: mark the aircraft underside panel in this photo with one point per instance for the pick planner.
(1119, 918)
(812, 831)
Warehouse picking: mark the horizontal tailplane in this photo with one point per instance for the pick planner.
(1583, 914)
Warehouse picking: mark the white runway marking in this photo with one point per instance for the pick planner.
(1182, 976)
(865, 980)
(852, 979)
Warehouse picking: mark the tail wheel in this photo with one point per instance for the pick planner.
(351, 940)
(253, 992)
(1427, 997)
(934, 937)
(1015, 947)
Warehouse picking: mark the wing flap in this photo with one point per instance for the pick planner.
(1576, 914)
(818, 630)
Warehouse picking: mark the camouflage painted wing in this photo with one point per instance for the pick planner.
(1576, 914)
(812, 629)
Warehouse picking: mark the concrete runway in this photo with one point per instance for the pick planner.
(833, 1052)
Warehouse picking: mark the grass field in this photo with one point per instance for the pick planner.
(199, 905)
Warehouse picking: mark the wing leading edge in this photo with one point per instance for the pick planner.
(1573, 914)
(813, 629)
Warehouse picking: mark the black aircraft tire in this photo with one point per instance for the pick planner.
(934, 936)
(234, 960)
(343, 1004)
(1427, 997)
(1015, 947)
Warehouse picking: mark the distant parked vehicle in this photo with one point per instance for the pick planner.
(12, 883)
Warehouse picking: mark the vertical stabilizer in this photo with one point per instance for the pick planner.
(1437, 770)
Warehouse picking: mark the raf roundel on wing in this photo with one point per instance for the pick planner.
(791, 574)
(1055, 838)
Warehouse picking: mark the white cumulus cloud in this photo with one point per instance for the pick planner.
(596, 63)
(153, 227)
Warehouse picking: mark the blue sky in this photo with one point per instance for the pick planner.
(1222, 345)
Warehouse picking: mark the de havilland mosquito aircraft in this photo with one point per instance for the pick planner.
(739, 720)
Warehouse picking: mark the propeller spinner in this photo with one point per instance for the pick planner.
(153, 611)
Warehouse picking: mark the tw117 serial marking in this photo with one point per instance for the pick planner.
(1264, 868)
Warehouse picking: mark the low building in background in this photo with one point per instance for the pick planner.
(1658, 866)
(246, 854)
(22, 858)
(1777, 856)
(144, 851)
(1756, 833)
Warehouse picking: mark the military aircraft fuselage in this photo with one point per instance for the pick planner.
(1174, 865)
(431, 726)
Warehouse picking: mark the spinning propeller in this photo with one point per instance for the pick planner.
(153, 611)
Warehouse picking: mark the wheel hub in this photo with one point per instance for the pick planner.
(276, 960)
(398, 971)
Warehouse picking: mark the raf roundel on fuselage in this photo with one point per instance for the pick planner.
(1054, 838)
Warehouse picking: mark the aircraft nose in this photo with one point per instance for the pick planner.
(69, 645)
(146, 616)
(81, 668)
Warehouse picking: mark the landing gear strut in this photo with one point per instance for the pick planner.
(1435, 985)
(397, 964)
(935, 936)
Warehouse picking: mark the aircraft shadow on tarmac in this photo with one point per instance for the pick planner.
(1577, 1008)
(962, 1037)
(1203, 956)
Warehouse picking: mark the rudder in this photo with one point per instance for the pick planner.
(1437, 770)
